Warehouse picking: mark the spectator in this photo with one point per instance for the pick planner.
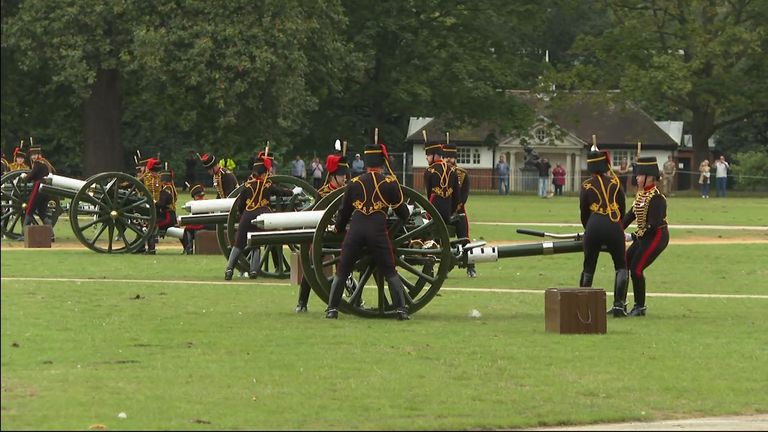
(558, 179)
(502, 171)
(298, 169)
(704, 178)
(189, 174)
(668, 172)
(316, 168)
(721, 175)
(358, 166)
(543, 166)
(624, 172)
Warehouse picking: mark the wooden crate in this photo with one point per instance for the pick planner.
(206, 243)
(37, 236)
(575, 310)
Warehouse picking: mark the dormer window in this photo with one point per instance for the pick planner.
(540, 134)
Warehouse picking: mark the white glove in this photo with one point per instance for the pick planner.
(627, 236)
(23, 176)
(297, 190)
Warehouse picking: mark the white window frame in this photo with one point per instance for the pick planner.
(468, 156)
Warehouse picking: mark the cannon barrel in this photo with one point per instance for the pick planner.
(203, 219)
(295, 236)
(575, 236)
(288, 220)
(174, 232)
(221, 205)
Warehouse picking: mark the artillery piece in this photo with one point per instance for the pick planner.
(424, 253)
(111, 202)
(222, 213)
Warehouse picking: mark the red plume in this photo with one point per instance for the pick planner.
(332, 163)
(152, 162)
(384, 151)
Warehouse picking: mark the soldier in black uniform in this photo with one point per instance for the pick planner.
(337, 169)
(166, 204)
(461, 222)
(440, 182)
(38, 202)
(198, 193)
(601, 203)
(365, 204)
(223, 180)
(652, 234)
(151, 179)
(252, 201)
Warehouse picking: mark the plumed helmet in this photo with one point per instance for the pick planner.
(647, 166)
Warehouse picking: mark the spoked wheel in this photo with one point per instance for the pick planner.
(272, 261)
(423, 258)
(15, 194)
(112, 213)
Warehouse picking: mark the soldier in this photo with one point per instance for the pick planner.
(652, 234)
(252, 201)
(198, 193)
(38, 202)
(223, 180)
(166, 203)
(19, 159)
(151, 179)
(364, 206)
(440, 182)
(601, 203)
(462, 176)
(337, 169)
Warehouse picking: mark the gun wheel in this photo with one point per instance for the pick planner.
(423, 258)
(111, 213)
(273, 262)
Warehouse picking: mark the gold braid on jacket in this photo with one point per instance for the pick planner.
(640, 207)
(257, 199)
(152, 182)
(443, 190)
(368, 207)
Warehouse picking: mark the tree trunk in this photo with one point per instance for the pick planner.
(102, 116)
(701, 130)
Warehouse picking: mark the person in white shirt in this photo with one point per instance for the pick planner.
(721, 175)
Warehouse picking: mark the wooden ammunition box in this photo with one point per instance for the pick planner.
(206, 243)
(37, 236)
(575, 310)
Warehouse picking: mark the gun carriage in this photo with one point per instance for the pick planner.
(108, 212)
(423, 250)
(225, 216)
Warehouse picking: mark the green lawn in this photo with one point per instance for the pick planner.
(194, 352)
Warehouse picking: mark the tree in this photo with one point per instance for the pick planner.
(699, 60)
(223, 75)
(431, 58)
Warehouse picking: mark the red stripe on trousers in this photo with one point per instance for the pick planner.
(649, 251)
(32, 197)
(166, 221)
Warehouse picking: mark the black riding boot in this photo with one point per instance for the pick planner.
(304, 289)
(188, 241)
(638, 288)
(234, 254)
(586, 280)
(397, 292)
(253, 271)
(151, 243)
(337, 288)
(619, 309)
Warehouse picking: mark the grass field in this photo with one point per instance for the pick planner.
(165, 340)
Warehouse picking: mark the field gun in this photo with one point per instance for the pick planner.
(114, 203)
(424, 253)
(224, 215)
